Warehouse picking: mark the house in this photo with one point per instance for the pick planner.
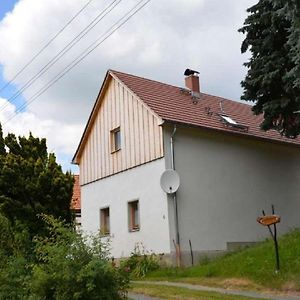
(229, 169)
(76, 201)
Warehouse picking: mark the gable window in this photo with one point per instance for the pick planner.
(115, 139)
(133, 216)
(104, 221)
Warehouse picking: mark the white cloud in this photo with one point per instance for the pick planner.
(62, 138)
(159, 42)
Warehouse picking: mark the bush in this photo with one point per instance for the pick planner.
(14, 267)
(72, 267)
(62, 265)
(140, 262)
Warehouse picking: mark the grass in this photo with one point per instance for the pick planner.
(249, 268)
(176, 293)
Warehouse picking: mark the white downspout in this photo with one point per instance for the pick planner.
(175, 198)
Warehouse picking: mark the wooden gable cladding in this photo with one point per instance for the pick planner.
(141, 135)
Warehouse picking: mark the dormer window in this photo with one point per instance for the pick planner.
(115, 137)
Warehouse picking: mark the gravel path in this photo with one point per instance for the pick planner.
(219, 290)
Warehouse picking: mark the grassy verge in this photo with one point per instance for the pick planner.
(166, 292)
(249, 268)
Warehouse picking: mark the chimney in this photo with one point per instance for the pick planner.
(192, 81)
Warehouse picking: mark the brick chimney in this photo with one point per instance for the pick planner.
(192, 83)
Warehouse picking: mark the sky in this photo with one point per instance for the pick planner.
(159, 42)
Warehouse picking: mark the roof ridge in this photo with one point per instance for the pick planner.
(179, 87)
(144, 78)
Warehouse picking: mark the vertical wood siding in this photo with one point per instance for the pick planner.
(141, 136)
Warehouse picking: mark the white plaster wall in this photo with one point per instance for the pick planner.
(225, 183)
(140, 183)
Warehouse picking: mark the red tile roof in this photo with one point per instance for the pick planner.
(174, 104)
(76, 198)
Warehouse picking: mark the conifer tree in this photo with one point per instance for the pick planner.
(272, 82)
(2, 145)
(31, 183)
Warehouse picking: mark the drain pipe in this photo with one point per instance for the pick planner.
(172, 148)
(175, 200)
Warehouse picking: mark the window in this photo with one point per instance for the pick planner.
(115, 138)
(133, 216)
(104, 221)
(78, 218)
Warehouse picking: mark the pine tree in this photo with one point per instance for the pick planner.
(292, 12)
(2, 145)
(271, 32)
(32, 183)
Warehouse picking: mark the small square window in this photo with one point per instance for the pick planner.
(115, 138)
(104, 221)
(133, 216)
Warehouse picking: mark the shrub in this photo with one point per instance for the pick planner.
(140, 261)
(14, 267)
(61, 265)
(72, 267)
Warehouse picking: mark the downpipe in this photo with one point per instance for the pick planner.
(177, 246)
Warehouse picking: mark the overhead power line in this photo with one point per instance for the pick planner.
(45, 46)
(62, 52)
(83, 55)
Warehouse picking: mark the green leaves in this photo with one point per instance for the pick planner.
(31, 183)
(69, 267)
(60, 265)
(273, 80)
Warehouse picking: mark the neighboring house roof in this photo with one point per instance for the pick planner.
(76, 197)
(174, 104)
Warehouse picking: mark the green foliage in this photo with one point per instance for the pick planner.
(291, 10)
(15, 251)
(256, 263)
(71, 267)
(31, 182)
(14, 277)
(65, 266)
(2, 145)
(272, 35)
(140, 262)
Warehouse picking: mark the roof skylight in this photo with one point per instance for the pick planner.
(228, 120)
(231, 123)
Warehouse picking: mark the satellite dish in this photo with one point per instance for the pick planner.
(169, 181)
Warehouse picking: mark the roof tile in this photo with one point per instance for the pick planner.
(173, 104)
(76, 197)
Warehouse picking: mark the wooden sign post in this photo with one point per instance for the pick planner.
(268, 220)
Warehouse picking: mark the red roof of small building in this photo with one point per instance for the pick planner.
(175, 104)
(76, 197)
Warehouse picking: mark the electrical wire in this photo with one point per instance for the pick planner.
(45, 46)
(83, 55)
(61, 53)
